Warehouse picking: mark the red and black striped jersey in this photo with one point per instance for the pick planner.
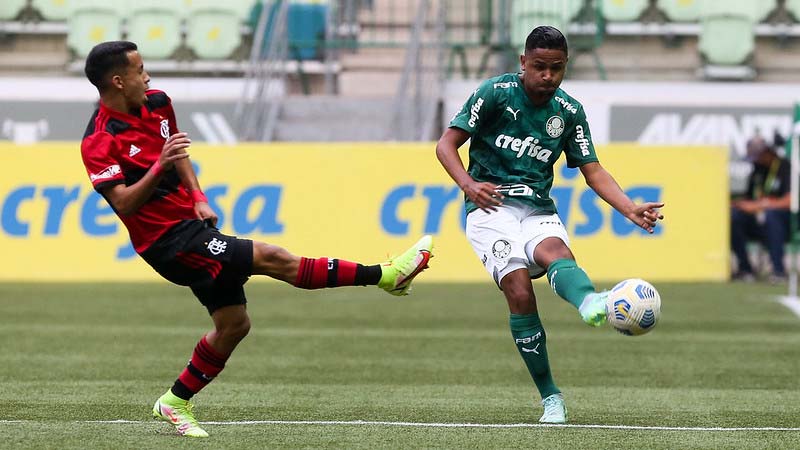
(120, 148)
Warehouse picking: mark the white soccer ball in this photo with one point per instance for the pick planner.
(633, 307)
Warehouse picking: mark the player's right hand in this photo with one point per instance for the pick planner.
(484, 195)
(174, 149)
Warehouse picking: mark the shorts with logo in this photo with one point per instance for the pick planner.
(505, 239)
(214, 265)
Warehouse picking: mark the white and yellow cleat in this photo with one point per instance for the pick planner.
(178, 412)
(398, 273)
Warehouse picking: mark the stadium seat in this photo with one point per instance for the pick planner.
(305, 25)
(55, 10)
(90, 23)
(155, 26)
(242, 8)
(755, 10)
(528, 14)
(623, 10)
(681, 10)
(793, 8)
(10, 9)
(213, 29)
(727, 40)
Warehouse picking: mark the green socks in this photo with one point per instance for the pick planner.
(529, 336)
(569, 281)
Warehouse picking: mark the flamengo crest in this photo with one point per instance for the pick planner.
(165, 128)
(216, 246)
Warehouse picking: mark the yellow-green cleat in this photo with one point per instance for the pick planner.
(178, 412)
(398, 273)
(593, 308)
(555, 410)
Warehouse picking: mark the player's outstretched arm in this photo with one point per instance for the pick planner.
(644, 215)
(482, 194)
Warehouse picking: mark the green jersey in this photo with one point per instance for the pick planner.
(515, 144)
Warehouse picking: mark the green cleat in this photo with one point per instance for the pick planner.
(398, 273)
(555, 411)
(593, 308)
(178, 412)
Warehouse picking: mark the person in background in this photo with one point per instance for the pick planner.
(763, 213)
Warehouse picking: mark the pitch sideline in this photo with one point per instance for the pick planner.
(439, 425)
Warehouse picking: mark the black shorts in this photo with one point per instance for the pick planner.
(214, 265)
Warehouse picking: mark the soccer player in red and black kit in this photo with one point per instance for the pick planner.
(136, 158)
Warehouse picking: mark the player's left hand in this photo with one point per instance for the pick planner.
(646, 215)
(204, 212)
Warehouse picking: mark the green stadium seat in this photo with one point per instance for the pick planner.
(241, 8)
(90, 23)
(55, 10)
(681, 10)
(793, 8)
(155, 26)
(213, 29)
(756, 10)
(727, 40)
(10, 9)
(623, 10)
(529, 14)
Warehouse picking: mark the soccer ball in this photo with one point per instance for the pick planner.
(633, 307)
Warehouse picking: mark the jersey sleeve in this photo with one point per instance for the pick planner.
(98, 152)
(578, 146)
(160, 102)
(173, 122)
(477, 109)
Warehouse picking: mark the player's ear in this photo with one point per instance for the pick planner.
(116, 81)
(522, 62)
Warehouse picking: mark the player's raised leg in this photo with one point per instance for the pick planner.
(393, 276)
(397, 273)
(569, 281)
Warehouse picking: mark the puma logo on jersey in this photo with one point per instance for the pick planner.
(134, 151)
(529, 146)
(508, 108)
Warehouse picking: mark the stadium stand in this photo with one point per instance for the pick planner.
(11, 9)
(210, 37)
(54, 10)
(213, 29)
(91, 23)
(680, 10)
(623, 10)
(155, 26)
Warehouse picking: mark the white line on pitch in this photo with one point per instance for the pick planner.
(793, 303)
(451, 425)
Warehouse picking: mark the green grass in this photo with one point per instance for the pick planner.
(724, 355)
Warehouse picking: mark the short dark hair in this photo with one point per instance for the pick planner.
(105, 58)
(546, 36)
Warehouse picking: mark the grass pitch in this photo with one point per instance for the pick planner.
(355, 368)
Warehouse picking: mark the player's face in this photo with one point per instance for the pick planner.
(542, 72)
(135, 81)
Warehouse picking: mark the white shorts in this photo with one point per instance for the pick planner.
(505, 239)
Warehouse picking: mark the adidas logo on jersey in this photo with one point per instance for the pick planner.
(529, 146)
(134, 151)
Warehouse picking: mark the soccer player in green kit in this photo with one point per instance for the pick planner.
(518, 125)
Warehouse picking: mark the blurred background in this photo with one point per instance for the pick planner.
(683, 83)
